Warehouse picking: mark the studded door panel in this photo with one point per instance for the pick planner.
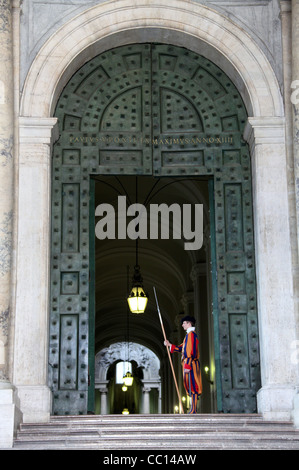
(198, 122)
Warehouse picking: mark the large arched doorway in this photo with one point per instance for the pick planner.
(154, 111)
(206, 32)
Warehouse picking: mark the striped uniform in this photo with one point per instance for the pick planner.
(190, 361)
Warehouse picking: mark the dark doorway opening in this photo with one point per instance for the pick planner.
(183, 278)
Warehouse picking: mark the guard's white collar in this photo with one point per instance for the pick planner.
(192, 328)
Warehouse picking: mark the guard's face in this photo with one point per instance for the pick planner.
(186, 325)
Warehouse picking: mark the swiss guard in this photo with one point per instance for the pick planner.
(189, 350)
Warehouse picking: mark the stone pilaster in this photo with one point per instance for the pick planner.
(9, 410)
(6, 177)
(277, 319)
(104, 400)
(198, 270)
(30, 365)
(146, 399)
(295, 100)
(295, 116)
(187, 302)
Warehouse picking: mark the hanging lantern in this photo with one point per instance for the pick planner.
(124, 388)
(128, 379)
(137, 299)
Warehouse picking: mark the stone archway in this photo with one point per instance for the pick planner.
(243, 61)
(144, 358)
(214, 36)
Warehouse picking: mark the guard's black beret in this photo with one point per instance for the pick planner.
(188, 318)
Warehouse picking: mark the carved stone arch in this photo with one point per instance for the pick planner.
(212, 35)
(143, 356)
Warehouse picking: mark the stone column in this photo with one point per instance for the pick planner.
(160, 399)
(6, 177)
(187, 302)
(198, 270)
(295, 116)
(30, 364)
(8, 409)
(276, 312)
(146, 399)
(295, 101)
(104, 407)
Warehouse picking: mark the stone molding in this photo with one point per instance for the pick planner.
(71, 46)
(36, 136)
(36, 130)
(264, 130)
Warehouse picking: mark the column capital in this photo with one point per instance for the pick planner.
(285, 6)
(265, 130)
(16, 3)
(36, 130)
(198, 269)
(186, 299)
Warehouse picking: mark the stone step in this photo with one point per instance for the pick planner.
(154, 420)
(157, 432)
(111, 428)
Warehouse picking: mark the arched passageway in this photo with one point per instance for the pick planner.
(144, 396)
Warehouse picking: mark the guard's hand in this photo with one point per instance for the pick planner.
(167, 343)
